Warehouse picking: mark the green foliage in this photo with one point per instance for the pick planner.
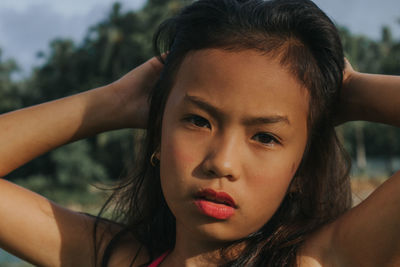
(111, 48)
(75, 165)
(9, 90)
(373, 56)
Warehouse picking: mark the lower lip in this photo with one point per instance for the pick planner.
(215, 210)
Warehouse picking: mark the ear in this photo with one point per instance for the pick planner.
(157, 153)
(155, 157)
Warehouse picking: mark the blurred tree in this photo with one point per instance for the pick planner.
(115, 45)
(373, 56)
(9, 89)
(110, 49)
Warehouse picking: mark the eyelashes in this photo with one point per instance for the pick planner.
(197, 121)
(263, 138)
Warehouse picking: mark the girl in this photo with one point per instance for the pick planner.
(241, 164)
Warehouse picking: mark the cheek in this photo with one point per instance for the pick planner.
(269, 183)
(181, 154)
(176, 151)
(272, 181)
(177, 161)
(274, 169)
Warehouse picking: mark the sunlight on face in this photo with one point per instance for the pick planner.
(234, 122)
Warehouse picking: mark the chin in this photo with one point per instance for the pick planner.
(220, 232)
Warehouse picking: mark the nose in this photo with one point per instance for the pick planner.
(223, 157)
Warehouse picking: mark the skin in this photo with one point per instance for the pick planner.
(213, 137)
(367, 235)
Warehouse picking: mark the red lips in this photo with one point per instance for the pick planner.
(218, 197)
(218, 205)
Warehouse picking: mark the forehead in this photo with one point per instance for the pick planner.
(244, 81)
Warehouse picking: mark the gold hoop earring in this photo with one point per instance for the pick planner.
(153, 159)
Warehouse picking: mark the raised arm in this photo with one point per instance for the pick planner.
(32, 227)
(370, 97)
(30, 132)
(369, 234)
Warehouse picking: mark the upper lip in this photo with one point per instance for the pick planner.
(213, 195)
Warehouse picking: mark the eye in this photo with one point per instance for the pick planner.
(198, 121)
(265, 139)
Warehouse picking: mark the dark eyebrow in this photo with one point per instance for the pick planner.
(203, 105)
(214, 111)
(266, 120)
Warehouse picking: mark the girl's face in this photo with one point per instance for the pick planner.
(234, 122)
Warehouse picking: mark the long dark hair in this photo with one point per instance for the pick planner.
(305, 41)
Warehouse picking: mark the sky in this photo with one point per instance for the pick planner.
(27, 26)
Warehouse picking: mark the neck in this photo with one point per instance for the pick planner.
(193, 250)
